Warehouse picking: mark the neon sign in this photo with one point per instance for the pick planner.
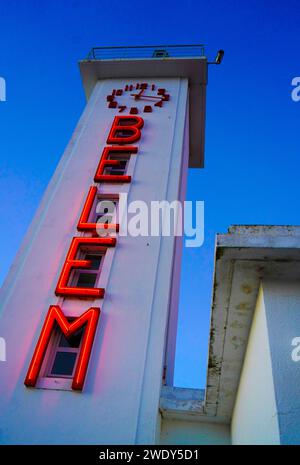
(72, 263)
(125, 131)
(88, 319)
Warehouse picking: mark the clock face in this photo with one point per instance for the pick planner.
(137, 98)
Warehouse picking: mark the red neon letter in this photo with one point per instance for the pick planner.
(105, 161)
(125, 124)
(55, 315)
(83, 223)
(71, 262)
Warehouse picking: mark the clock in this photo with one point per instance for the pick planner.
(137, 98)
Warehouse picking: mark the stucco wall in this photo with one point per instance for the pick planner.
(254, 418)
(282, 303)
(193, 433)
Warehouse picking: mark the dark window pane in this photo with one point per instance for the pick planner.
(123, 133)
(86, 280)
(73, 341)
(117, 169)
(104, 219)
(117, 172)
(127, 122)
(103, 207)
(121, 160)
(95, 259)
(122, 163)
(64, 363)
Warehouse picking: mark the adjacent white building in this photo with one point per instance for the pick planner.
(110, 380)
(252, 393)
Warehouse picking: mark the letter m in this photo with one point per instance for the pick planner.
(88, 321)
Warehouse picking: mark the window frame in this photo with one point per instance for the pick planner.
(75, 274)
(109, 170)
(57, 382)
(99, 197)
(112, 198)
(53, 349)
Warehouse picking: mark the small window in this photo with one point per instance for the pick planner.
(64, 354)
(119, 169)
(86, 280)
(123, 132)
(106, 210)
(88, 277)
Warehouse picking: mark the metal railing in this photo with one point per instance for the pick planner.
(148, 51)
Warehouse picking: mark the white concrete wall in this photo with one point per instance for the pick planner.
(174, 432)
(282, 303)
(255, 414)
(171, 337)
(119, 404)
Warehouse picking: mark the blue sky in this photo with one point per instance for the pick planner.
(251, 173)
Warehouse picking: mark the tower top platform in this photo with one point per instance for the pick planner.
(159, 61)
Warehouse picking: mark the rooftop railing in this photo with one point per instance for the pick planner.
(148, 51)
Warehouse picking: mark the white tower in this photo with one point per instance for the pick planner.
(89, 323)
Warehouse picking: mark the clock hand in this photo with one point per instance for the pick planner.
(147, 96)
(137, 96)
